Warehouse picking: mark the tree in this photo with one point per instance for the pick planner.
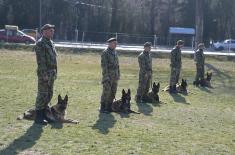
(199, 20)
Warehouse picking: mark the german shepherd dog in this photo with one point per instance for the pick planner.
(204, 82)
(55, 113)
(152, 96)
(180, 87)
(123, 105)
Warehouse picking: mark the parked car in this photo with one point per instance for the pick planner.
(32, 33)
(225, 45)
(12, 34)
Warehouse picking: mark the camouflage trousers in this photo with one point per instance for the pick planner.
(200, 72)
(144, 85)
(109, 93)
(45, 92)
(175, 74)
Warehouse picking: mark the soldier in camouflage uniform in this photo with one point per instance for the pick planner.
(110, 75)
(145, 73)
(46, 71)
(200, 61)
(175, 66)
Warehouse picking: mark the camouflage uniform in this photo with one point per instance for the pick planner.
(110, 77)
(145, 74)
(199, 60)
(175, 65)
(47, 66)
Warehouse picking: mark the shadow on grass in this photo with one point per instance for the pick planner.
(145, 108)
(24, 142)
(104, 123)
(221, 75)
(178, 98)
(205, 89)
(56, 125)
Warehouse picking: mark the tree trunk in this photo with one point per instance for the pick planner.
(114, 26)
(199, 20)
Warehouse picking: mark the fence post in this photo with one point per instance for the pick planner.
(83, 35)
(155, 41)
(76, 35)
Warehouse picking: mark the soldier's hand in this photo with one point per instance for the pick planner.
(146, 76)
(45, 77)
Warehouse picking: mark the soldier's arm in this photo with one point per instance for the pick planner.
(142, 63)
(41, 59)
(104, 66)
(173, 58)
(198, 58)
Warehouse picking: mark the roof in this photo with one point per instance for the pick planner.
(181, 30)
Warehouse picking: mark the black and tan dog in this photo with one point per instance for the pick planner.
(123, 105)
(207, 81)
(152, 96)
(55, 113)
(180, 87)
(204, 82)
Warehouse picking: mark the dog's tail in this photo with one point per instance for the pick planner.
(167, 88)
(134, 112)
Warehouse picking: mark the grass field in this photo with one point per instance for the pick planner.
(202, 122)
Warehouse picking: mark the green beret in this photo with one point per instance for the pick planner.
(180, 42)
(201, 45)
(147, 44)
(111, 40)
(47, 26)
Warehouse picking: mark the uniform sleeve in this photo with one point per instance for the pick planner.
(142, 63)
(173, 58)
(118, 71)
(149, 64)
(41, 59)
(104, 66)
(198, 58)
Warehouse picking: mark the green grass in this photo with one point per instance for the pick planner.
(202, 122)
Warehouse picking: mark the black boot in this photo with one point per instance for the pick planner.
(196, 83)
(172, 89)
(39, 119)
(144, 99)
(102, 107)
(109, 107)
(202, 83)
(137, 98)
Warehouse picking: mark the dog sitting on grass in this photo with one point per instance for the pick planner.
(56, 113)
(204, 82)
(152, 96)
(180, 87)
(123, 105)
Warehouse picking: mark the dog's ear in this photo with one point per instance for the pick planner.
(123, 92)
(154, 84)
(158, 85)
(129, 92)
(59, 98)
(66, 98)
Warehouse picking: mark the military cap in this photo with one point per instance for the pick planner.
(47, 26)
(201, 45)
(180, 42)
(111, 40)
(147, 44)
